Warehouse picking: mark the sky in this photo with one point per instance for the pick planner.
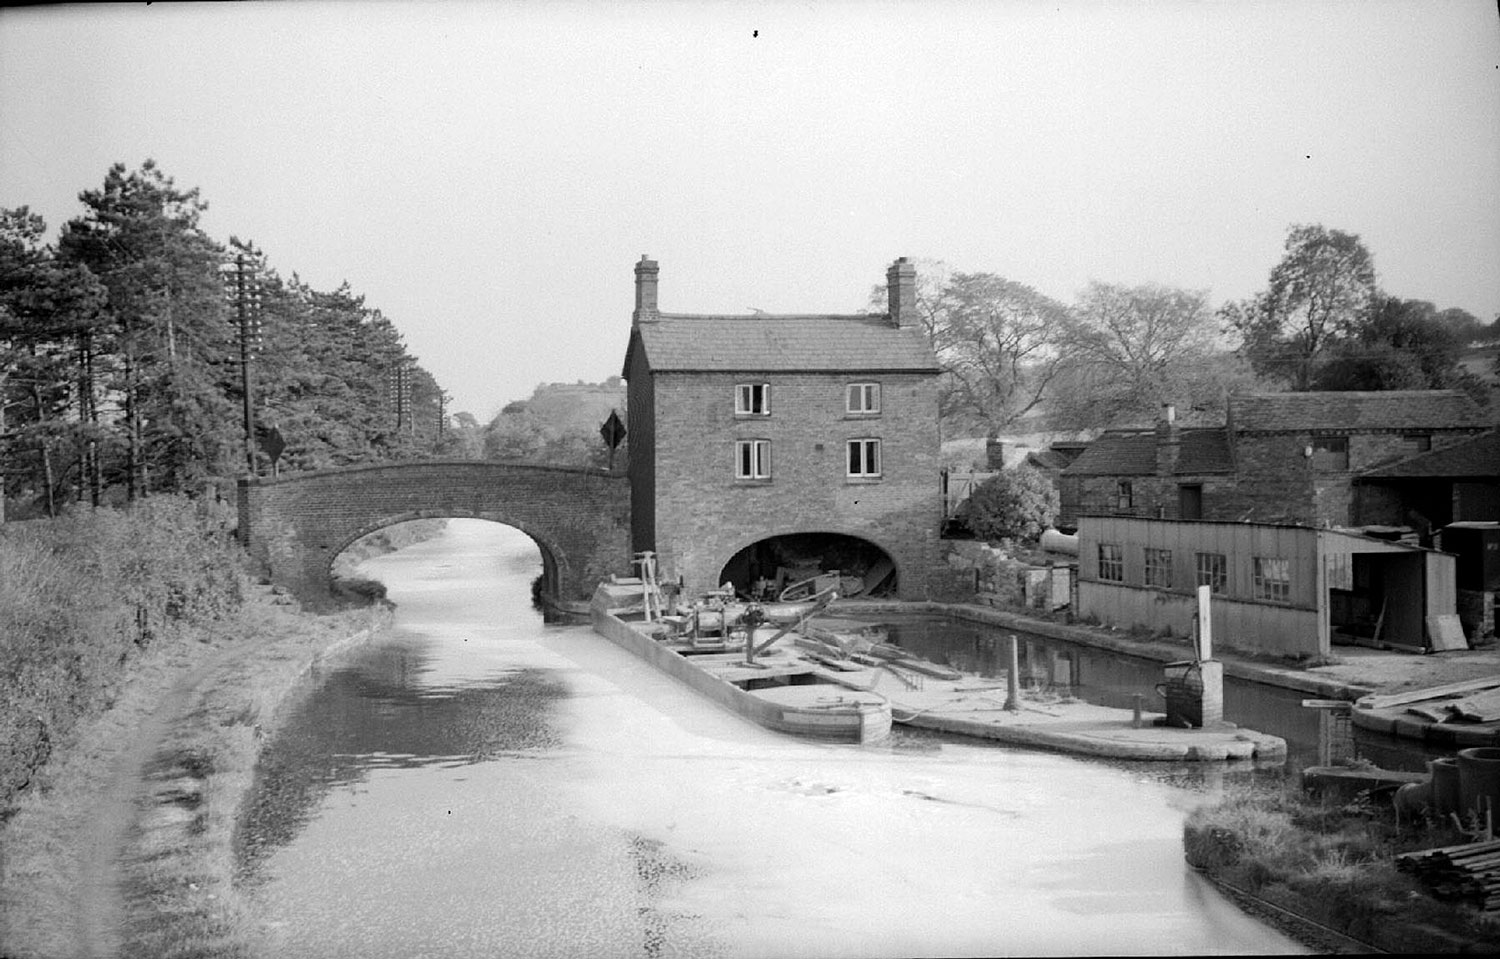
(487, 174)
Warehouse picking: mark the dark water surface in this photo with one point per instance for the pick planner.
(477, 783)
(1107, 678)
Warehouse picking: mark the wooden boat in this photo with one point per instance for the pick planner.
(779, 688)
(864, 648)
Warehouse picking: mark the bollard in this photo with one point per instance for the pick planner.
(1136, 720)
(1013, 681)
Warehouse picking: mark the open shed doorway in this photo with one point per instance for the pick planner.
(798, 564)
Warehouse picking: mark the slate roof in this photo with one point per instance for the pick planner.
(778, 343)
(1133, 453)
(1474, 458)
(1354, 410)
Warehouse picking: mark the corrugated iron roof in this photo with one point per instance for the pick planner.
(775, 343)
(1354, 410)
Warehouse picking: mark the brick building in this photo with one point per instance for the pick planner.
(1288, 458)
(769, 445)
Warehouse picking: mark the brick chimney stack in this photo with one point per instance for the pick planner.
(901, 292)
(1168, 441)
(645, 290)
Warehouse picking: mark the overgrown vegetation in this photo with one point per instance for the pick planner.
(82, 595)
(1016, 503)
(1335, 864)
(121, 346)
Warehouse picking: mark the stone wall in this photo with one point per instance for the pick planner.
(704, 515)
(1003, 580)
(579, 518)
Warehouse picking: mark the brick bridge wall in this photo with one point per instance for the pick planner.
(580, 518)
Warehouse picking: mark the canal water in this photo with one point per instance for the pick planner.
(477, 783)
(1107, 678)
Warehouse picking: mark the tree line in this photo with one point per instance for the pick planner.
(1013, 356)
(121, 348)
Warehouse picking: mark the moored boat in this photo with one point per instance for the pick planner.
(775, 686)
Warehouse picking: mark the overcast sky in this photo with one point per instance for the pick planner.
(487, 174)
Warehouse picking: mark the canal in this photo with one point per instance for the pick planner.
(1109, 678)
(477, 783)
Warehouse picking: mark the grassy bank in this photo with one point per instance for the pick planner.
(204, 709)
(143, 671)
(82, 597)
(1334, 863)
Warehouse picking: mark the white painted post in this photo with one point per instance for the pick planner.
(1211, 672)
(1205, 624)
(1013, 682)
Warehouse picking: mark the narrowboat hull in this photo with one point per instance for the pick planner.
(785, 693)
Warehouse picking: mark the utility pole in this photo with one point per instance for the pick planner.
(241, 287)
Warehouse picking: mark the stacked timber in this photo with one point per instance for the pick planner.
(1470, 871)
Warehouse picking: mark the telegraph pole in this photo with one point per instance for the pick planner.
(242, 290)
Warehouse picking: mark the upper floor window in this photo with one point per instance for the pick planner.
(1330, 452)
(1112, 562)
(1159, 567)
(752, 399)
(1272, 579)
(1418, 442)
(864, 457)
(752, 459)
(1124, 495)
(1213, 571)
(862, 398)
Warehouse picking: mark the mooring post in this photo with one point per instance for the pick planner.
(1013, 678)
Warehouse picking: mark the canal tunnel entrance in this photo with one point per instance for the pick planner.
(797, 564)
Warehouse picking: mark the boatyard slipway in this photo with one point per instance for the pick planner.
(659, 823)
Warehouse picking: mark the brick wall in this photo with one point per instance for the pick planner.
(703, 515)
(579, 518)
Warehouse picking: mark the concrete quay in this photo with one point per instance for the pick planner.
(976, 707)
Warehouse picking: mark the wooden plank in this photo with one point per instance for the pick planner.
(1445, 633)
(1432, 692)
(1481, 708)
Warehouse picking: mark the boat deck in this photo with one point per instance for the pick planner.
(792, 682)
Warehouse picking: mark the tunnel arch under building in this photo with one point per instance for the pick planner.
(767, 568)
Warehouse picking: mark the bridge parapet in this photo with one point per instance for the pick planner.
(294, 526)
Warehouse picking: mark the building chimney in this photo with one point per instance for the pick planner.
(901, 292)
(1168, 441)
(645, 290)
(994, 454)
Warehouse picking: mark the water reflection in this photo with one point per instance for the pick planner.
(1107, 678)
(376, 712)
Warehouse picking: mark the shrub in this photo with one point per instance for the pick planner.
(1017, 504)
(82, 594)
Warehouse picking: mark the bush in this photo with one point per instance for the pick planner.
(82, 594)
(1015, 504)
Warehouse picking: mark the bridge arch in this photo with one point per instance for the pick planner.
(552, 573)
(295, 526)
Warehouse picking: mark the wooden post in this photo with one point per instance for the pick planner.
(1013, 678)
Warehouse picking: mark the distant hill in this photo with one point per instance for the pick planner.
(573, 405)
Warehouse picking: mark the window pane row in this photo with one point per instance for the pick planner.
(1271, 576)
(753, 458)
(754, 399)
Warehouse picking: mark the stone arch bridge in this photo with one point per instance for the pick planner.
(579, 518)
